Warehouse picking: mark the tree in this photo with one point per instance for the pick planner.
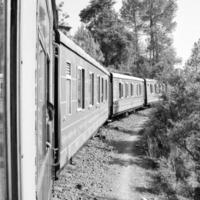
(106, 28)
(151, 23)
(194, 61)
(63, 25)
(84, 39)
(173, 133)
(158, 24)
(130, 13)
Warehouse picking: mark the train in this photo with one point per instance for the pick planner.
(53, 98)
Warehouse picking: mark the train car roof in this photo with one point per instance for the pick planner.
(116, 75)
(150, 80)
(78, 50)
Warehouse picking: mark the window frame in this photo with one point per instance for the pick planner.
(83, 83)
(91, 89)
(69, 77)
(102, 90)
(121, 91)
(126, 90)
(98, 89)
(106, 89)
(151, 88)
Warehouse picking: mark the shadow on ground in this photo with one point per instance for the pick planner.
(135, 149)
(137, 155)
(96, 197)
(158, 185)
(123, 130)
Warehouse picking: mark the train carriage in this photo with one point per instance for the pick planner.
(153, 91)
(128, 93)
(83, 92)
(53, 98)
(26, 68)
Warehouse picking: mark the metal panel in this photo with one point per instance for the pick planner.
(3, 146)
(124, 103)
(81, 124)
(44, 101)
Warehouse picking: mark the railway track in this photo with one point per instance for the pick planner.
(112, 166)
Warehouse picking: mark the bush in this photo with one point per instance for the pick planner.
(173, 131)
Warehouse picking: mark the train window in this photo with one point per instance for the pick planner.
(120, 90)
(106, 90)
(140, 89)
(98, 89)
(68, 94)
(137, 90)
(41, 106)
(126, 89)
(102, 89)
(91, 88)
(44, 23)
(155, 89)
(3, 162)
(151, 88)
(131, 89)
(81, 88)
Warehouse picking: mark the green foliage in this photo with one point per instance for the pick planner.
(63, 24)
(151, 24)
(107, 28)
(130, 13)
(194, 62)
(173, 132)
(85, 40)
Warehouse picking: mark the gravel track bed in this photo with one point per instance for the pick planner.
(110, 166)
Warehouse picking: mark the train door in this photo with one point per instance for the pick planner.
(3, 157)
(44, 107)
(43, 131)
(9, 133)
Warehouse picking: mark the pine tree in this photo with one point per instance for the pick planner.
(84, 39)
(63, 24)
(158, 24)
(194, 61)
(151, 23)
(130, 13)
(106, 28)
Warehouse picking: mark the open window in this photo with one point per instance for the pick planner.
(106, 90)
(102, 89)
(81, 88)
(121, 90)
(126, 89)
(151, 88)
(91, 89)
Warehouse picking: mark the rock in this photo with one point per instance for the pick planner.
(78, 186)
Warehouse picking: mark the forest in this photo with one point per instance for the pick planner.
(138, 40)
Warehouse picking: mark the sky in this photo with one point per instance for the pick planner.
(188, 27)
(187, 17)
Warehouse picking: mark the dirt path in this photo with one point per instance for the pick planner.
(112, 166)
